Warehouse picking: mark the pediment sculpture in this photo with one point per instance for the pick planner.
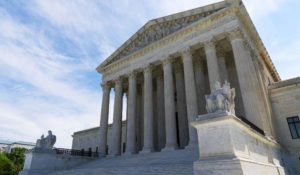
(157, 32)
(221, 99)
(46, 143)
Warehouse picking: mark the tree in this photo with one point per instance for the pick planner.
(6, 165)
(17, 157)
(11, 163)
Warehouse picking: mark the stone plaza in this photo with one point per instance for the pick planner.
(203, 97)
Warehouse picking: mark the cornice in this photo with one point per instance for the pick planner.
(285, 83)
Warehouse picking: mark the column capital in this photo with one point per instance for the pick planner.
(147, 68)
(118, 81)
(210, 43)
(132, 74)
(186, 51)
(166, 60)
(186, 54)
(105, 86)
(234, 34)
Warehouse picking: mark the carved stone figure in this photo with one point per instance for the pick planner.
(157, 32)
(46, 143)
(40, 142)
(221, 99)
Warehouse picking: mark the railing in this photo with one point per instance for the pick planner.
(74, 152)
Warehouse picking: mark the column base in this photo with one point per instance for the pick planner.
(191, 146)
(169, 148)
(110, 155)
(101, 155)
(146, 150)
(129, 153)
(113, 155)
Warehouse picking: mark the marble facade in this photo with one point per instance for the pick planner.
(186, 64)
(168, 67)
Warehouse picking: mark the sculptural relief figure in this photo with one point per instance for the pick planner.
(40, 142)
(46, 143)
(221, 99)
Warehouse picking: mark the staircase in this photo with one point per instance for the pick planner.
(159, 163)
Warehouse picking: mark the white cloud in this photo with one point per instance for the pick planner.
(54, 100)
(166, 7)
(15, 125)
(286, 57)
(259, 9)
(77, 15)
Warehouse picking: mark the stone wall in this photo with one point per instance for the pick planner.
(285, 99)
(40, 161)
(239, 149)
(89, 138)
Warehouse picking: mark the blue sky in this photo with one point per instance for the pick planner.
(49, 50)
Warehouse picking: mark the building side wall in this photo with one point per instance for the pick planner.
(286, 103)
(85, 141)
(3, 147)
(91, 139)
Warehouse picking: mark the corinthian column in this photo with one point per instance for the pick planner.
(104, 119)
(212, 63)
(242, 65)
(131, 120)
(171, 138)
(191, 94)
(117, 120)
(148, 110)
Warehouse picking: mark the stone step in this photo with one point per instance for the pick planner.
(169, 162)
(180, 169)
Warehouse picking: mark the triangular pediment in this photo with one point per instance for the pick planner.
(159, 28)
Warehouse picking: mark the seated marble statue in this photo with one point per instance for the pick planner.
(221, 99)
(46, 143)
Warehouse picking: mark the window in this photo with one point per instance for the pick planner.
(294, 125)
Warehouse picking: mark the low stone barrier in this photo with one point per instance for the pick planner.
(43, 161)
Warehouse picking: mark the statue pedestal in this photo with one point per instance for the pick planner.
(42, 161)
(228, 146)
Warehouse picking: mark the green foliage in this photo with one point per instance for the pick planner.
(6, 165)
(12, 163)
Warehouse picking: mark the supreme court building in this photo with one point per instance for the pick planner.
(168, 66)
